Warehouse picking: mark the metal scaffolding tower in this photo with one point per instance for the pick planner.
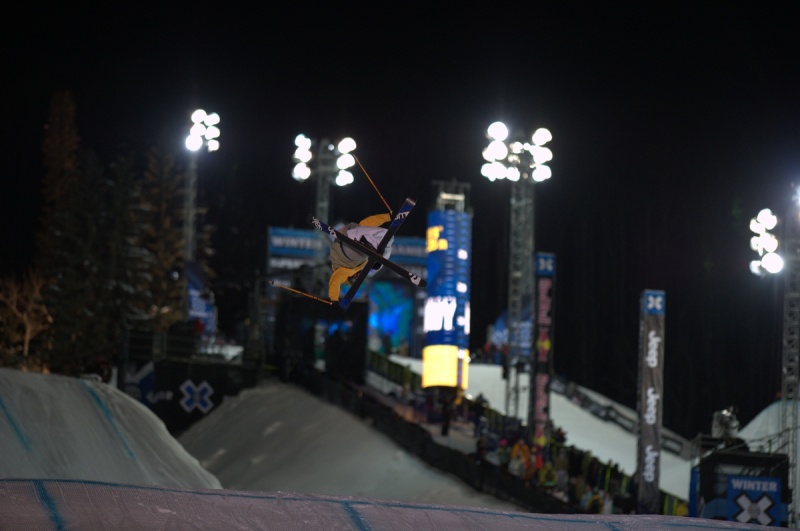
(520, 288)
(791, 351)
(523, 163)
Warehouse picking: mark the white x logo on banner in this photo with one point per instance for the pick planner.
(754, 511)
(655, 302)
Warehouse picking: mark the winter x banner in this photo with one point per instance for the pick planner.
(651, 376)
(754, 500)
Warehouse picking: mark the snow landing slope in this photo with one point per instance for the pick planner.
(55, 427)
(278, 437)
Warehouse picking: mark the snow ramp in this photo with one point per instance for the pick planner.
(56, 427)
(84, 505)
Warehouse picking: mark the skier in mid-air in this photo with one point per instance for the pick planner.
(357, 245)
(346, 262)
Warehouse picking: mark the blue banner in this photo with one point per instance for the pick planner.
(544, 264)
(294, 242)
(449, 245)
(755, 500)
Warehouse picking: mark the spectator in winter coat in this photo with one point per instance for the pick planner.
(520, 458)
(595, 505)
(346, 262)
(577, 490)
(547, 475)
(504, 454)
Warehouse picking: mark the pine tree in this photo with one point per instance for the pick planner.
(123, 263)
(160, 234)
(78, 298)
(86, 248)
(59, 239)
(60, 154)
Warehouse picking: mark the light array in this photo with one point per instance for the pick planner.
(332, 159)
(515, 160)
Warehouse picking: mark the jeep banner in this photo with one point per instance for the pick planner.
(651, 386)
(542, 365)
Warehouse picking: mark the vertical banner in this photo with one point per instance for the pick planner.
(651, 385)
(445, 357)
(539, 401)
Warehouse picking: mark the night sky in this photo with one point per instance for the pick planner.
(671, 126)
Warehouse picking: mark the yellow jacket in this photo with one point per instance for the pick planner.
(342, 272)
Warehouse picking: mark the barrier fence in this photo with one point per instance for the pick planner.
(486, 476)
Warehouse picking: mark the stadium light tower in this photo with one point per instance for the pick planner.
(203, 132)
(523, 162)
(766, 245)
(329, 165)
(790, 369)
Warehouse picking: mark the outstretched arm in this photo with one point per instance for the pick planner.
(375, 221)
(338, 278)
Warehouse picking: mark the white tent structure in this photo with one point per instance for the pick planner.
(764, 431)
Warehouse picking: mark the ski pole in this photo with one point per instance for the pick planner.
(303, 293)
(373, 184)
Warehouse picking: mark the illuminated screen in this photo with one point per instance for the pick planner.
(391, 315)
(447, 313)
(445, 365)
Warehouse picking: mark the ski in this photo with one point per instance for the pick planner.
(372, 255)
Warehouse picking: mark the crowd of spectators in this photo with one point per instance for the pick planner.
(557, 469)
(576, 477)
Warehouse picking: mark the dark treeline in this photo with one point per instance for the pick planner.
(109, 254)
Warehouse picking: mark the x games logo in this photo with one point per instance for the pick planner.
(654, 302)
(751, 510)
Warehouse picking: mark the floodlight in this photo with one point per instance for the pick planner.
(767, 219)
(541, 154)
(493, 171)
(301, 171)
(497, 150)
(542, 136)
(343, 178)
(346, 145)
(194, 142)
(198, 116)
(772, 262)
(212, 132)
(345, 161)
(541, 173)
(498, 131)
(302, 154)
